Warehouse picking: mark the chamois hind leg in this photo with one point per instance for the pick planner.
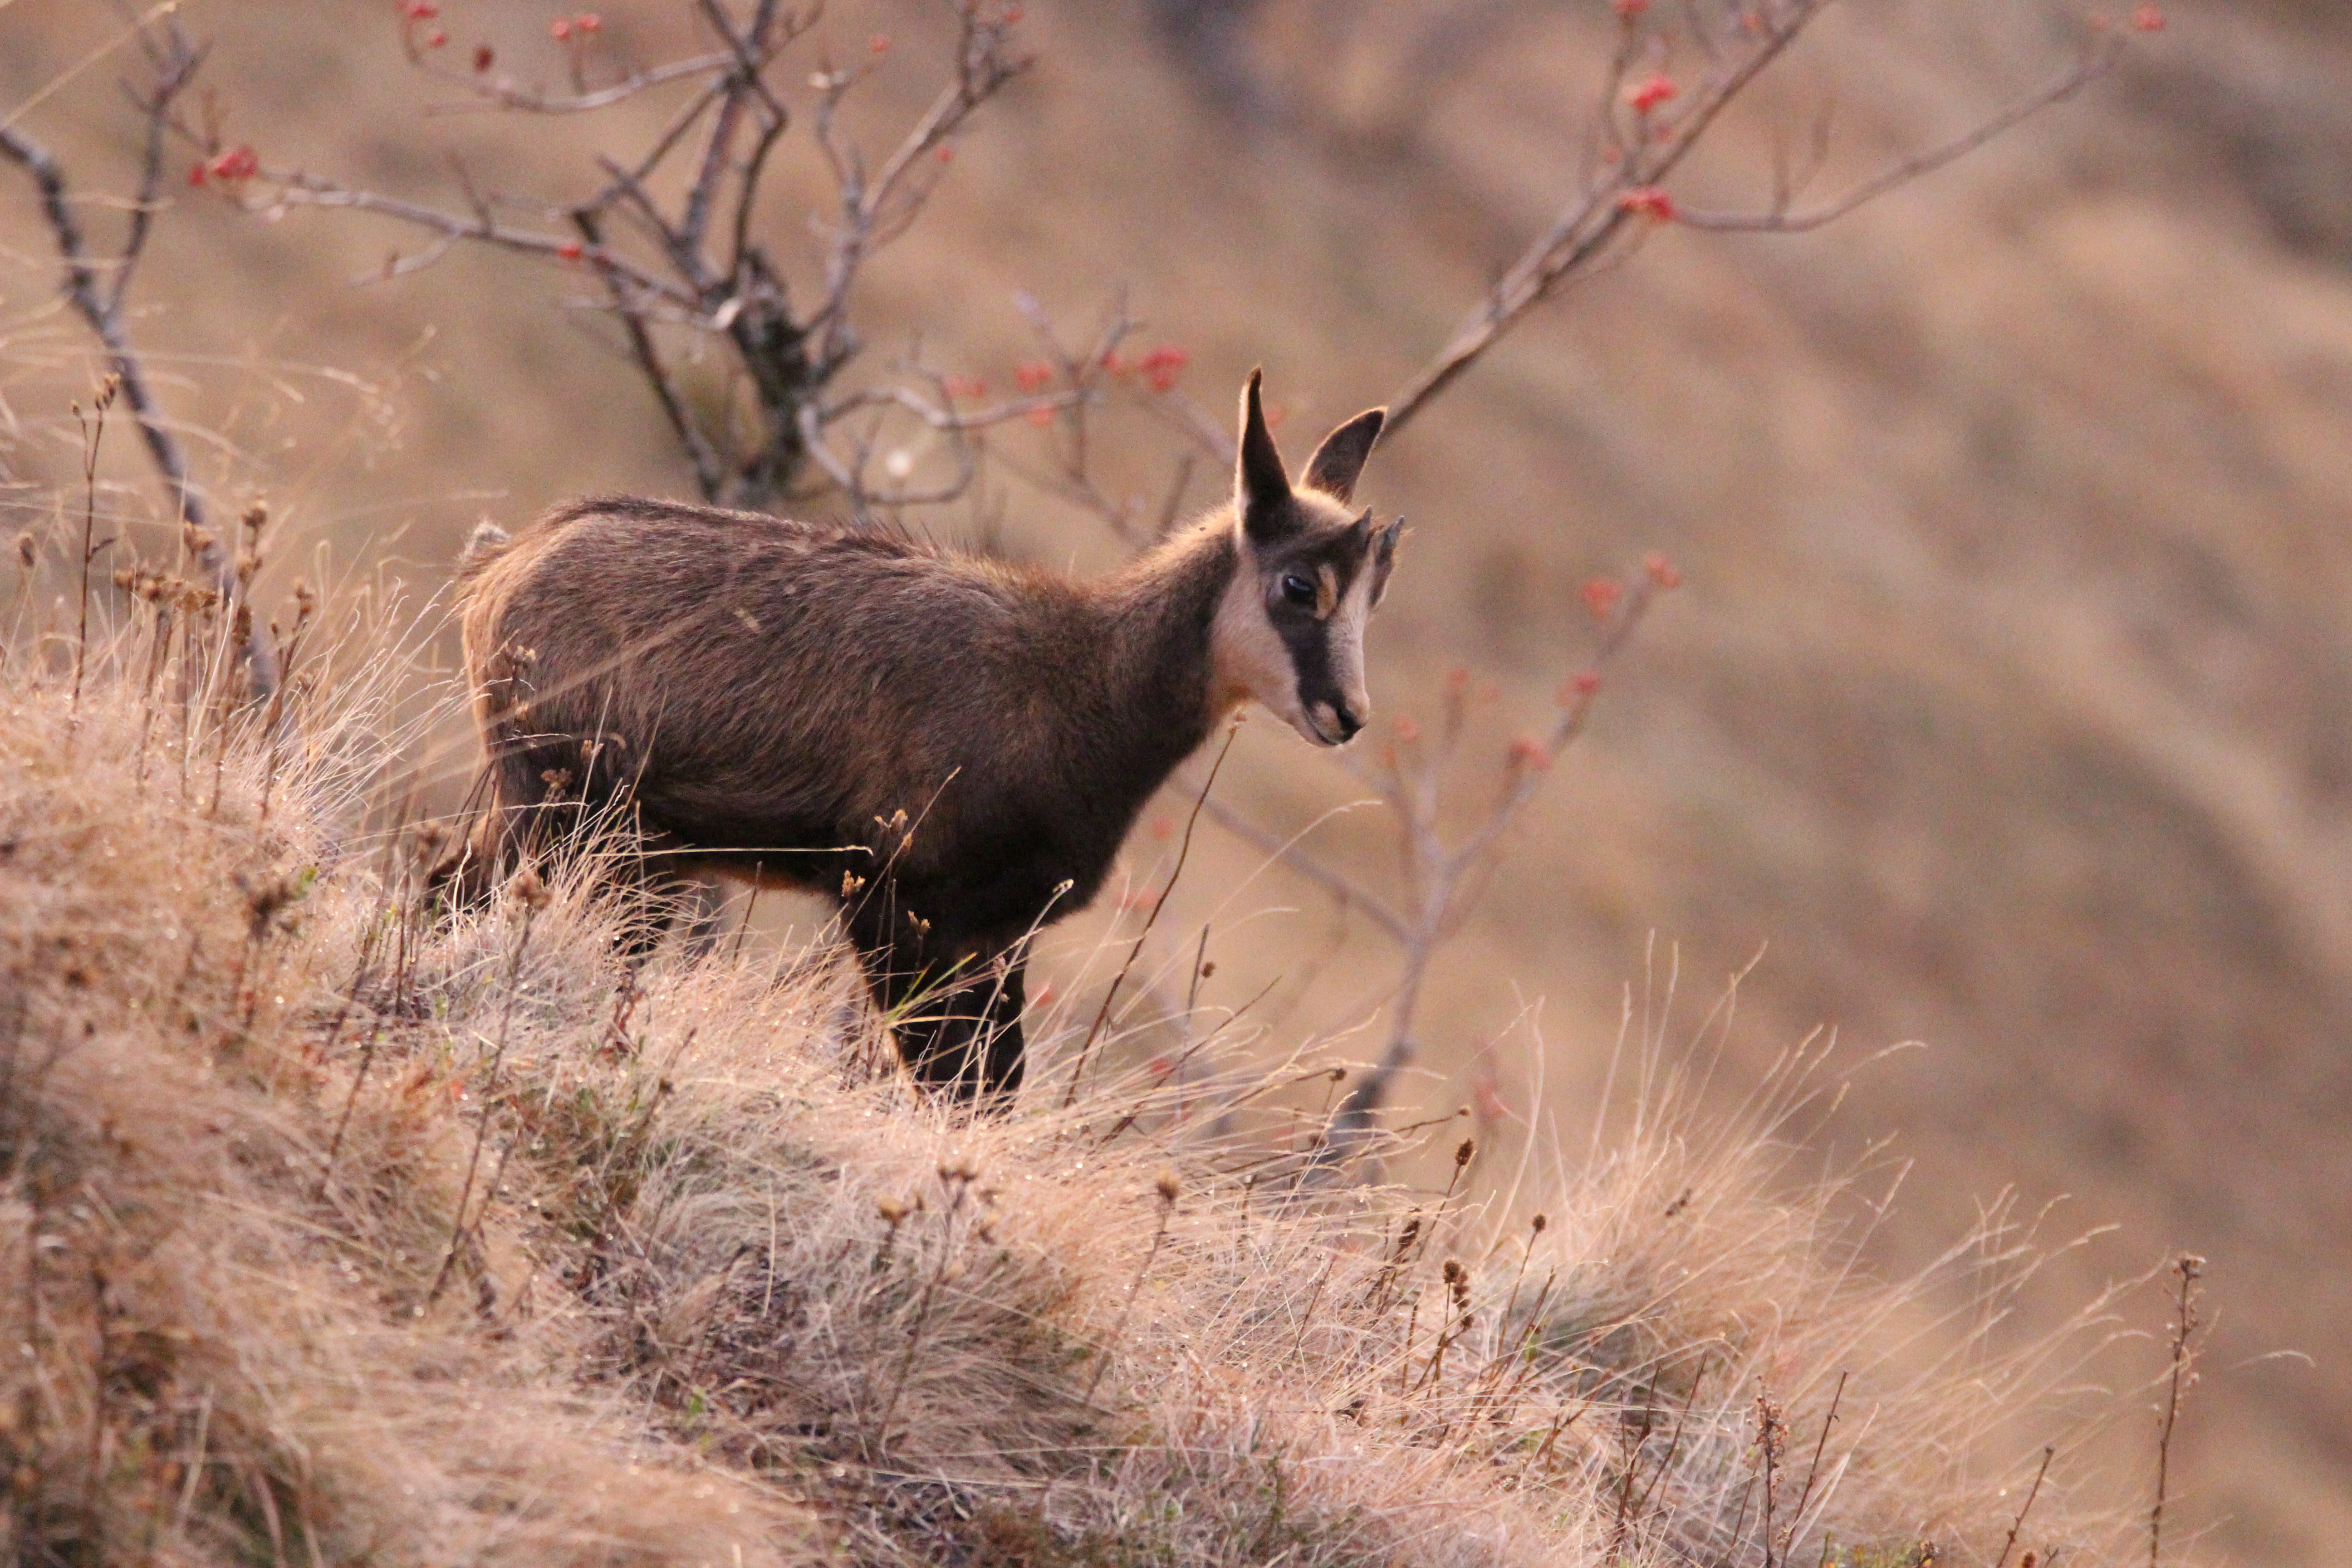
(553, 801)
(507, 802)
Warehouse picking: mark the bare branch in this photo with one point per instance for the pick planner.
(1344, 891)
(175, 64)
(708, 470)
(2096, 63)
(1625, 201)
(306, 190)
(503, 93)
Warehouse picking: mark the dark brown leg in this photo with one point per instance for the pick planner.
(960, 1038)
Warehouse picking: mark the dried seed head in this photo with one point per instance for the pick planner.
(256, 517)
(1461, 1155)
(1453, 1271)
(850, 882)
(1168, 1187)
(197, 541)
(264, 900)
(27, 552)
(1538, 1224)
(530, 889)
(893, 1212)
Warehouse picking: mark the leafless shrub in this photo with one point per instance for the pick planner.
(99, 288)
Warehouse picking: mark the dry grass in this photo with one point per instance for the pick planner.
(2002, 702)
(335, 1231)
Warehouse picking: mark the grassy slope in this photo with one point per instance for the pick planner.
(2000, 702)
(723, 1292)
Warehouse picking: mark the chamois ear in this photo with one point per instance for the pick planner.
(1262, 486)
(1337, 462)
(1384, 549)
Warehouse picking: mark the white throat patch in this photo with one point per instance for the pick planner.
(1247, 660)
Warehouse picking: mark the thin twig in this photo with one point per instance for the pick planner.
(2191, 1268)
(1077, 1071)
(533, 895)
(2019, 1523)
(1168, 1192)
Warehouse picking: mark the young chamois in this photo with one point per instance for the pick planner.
(952, 748)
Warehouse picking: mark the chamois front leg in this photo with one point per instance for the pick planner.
(955, 1015)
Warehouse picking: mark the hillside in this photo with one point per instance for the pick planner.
(347, 1234)
(2000, 704)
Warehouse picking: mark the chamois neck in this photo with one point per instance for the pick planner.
(1158, 667)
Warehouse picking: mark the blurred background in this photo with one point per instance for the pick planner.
(2006, 703)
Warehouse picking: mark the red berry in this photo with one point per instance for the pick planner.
(560, 29)
(1629, 9)
(570, 250)
(1651, 91)
(2149, 19)
(1032, 374)
(881, 43)
(1162, 365)
(435, 39)
(1583, 683)
(589, 22)
(1648, 201)
(1602, 594)
(1663, 572)
(483, 56)
(236, 164)
(419, 10)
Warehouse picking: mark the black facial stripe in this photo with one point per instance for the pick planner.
(1310, 655)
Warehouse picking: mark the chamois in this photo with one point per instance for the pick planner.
(953, 747)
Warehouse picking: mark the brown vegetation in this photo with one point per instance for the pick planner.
(338, 1235)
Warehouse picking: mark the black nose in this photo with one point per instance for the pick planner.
(1350, 725)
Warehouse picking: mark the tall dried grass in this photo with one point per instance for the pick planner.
(336, 1229)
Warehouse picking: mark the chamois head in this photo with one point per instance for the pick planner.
(1290, 630)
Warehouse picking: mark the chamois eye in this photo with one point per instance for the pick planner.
(1298, 591)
